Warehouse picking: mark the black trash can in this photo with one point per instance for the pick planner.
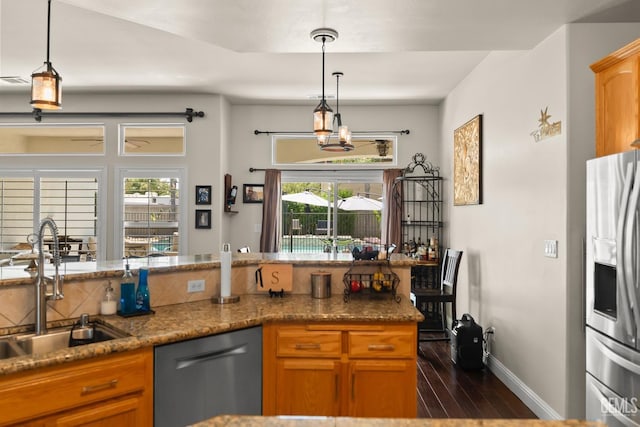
(466, 343)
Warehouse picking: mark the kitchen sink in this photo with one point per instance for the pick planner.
(9, 348)
(54, 339)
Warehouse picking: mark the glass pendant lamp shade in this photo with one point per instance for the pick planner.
(46, 88)
(323, 119)
(343, 131)
(322, 139)
(46, 83)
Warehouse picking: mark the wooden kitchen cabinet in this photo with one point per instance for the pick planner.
(105, 391)
(617, 81)
(340, 369)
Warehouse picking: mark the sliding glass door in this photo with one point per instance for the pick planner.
(333, 215)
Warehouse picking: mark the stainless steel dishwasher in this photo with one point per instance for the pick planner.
(204, 377)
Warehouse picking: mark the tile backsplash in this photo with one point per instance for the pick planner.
(17, 303)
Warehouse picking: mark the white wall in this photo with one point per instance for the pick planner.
(202, 161)
(248, 150)
(504, 280)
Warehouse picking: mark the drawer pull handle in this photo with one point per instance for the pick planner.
(88, 389)
(382, 347)
(307, 346)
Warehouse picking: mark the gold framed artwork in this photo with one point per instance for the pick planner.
(467, 163)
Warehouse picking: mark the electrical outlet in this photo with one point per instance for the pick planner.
(195, 285)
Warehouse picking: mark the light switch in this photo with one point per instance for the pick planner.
(551, 248)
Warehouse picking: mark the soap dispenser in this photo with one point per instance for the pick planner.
(109, 304)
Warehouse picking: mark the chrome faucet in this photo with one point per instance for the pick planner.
(41, 280)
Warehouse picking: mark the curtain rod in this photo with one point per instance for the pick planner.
(269, 132)
(37, 114)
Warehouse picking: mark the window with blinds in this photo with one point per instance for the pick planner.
(151, 211)
(16, 214)
(71, 201)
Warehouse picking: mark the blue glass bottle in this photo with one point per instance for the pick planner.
(142, 293)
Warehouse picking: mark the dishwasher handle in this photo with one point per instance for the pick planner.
(185, 362)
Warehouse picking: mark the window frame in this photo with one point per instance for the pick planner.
(122, 128)
(38, 173)
(350, 166)
(127, 172)
(335, 178)
(71, 126)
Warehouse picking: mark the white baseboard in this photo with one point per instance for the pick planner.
(520, 389)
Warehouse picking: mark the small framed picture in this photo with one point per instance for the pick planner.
(252, 193)
(203, 218)
(203, 194)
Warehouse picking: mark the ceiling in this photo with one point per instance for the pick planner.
(260, 51)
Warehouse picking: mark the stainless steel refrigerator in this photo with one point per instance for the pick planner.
(612, 290)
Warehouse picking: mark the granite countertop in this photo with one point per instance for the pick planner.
(16, 275)
(282, 421)
(179, 322)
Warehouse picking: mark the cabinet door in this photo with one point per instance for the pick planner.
(308, 387)
(382, 388)
(122, 412)
(617, 107)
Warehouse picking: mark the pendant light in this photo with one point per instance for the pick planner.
(323, 114)
(46, 83)
(344, 134)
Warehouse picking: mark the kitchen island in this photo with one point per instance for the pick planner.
(32, 375)
(379, 327)
(179, 322)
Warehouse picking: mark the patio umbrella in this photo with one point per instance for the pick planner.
(307, 198)
(359, 203)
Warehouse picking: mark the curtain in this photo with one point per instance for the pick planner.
(393, 206)
(271, 206)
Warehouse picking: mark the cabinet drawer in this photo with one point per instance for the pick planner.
(394, 343)
(42, 392)
(303, 343)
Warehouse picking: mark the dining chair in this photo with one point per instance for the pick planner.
(295, 225)
(437, 298)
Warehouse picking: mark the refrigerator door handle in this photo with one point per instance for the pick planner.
(621, 235)
(606, 403)
(617, 358)
(630, 233)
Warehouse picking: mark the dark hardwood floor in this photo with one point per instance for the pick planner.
(447, 391)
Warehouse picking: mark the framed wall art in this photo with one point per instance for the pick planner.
(467, 163)
(203, 194)
(252, 193)
(203, 218)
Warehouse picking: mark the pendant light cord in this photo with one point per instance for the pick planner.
(48, 29)
(338, 97)
(323, 40)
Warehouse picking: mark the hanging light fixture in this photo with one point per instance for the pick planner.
(323, 114)
(344, 134)
(46, 83)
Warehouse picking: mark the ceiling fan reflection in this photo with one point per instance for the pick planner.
(381, 145)
(132, 143)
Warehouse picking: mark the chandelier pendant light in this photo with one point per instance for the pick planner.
(323, 114)
(344, 134)
(46, 83)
